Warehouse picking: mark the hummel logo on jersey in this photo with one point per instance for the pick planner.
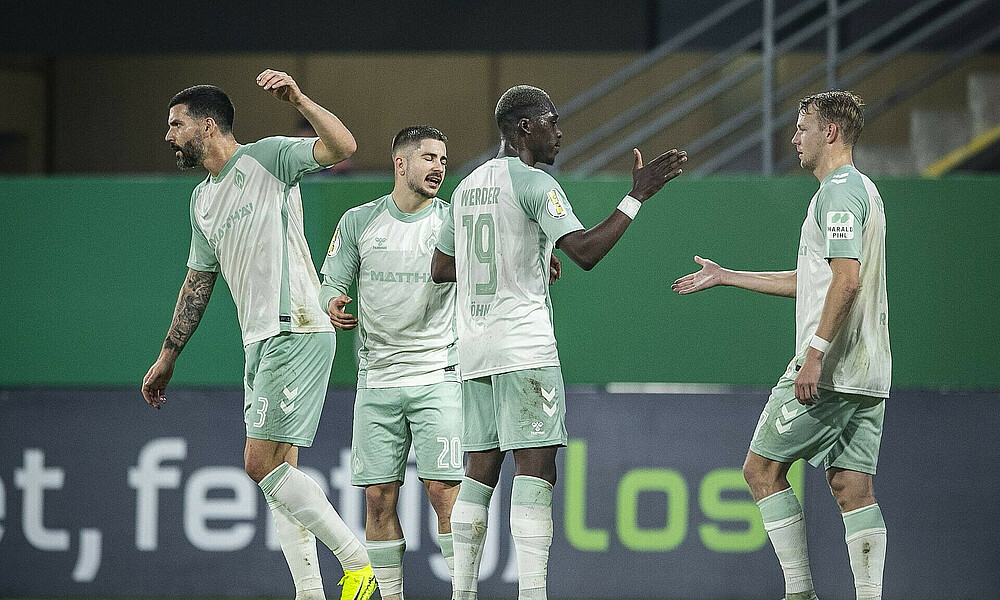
(783, 427)
(239, 179)
(537, 426)
(288, 408)
(380, 244)
(550, 409)
(839, 225)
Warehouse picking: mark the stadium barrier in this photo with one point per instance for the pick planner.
(100, 495)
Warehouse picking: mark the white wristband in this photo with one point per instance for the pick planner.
(629, 206)
(819, 344)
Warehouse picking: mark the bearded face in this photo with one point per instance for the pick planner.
(189, 154)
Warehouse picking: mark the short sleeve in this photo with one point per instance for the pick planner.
(287, 158)
(201, 255)
(446, 236)
(545, 202)
(841, 210)
(342, 259)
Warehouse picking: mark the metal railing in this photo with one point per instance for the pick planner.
(883, 32)
(601, 151)
(633, 69)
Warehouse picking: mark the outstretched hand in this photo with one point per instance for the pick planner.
(649, 179)
(341, 320)
(281, 85)
(710, 275)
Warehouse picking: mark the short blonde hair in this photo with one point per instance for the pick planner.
(841, 107)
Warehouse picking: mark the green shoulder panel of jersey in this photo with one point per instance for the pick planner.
(201, 255)
(343, 257)
(543, 199)
(446, 237)
(841, 210)
(286, 158)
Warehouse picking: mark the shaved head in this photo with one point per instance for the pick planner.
(521, 102)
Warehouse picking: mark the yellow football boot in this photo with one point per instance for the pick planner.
(358, 585)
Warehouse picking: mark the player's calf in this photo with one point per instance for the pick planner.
(764, 476)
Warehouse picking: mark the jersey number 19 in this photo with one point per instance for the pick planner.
(481, 236)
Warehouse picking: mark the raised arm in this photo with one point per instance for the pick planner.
(191, 303)
(774, 283)
(587, 247)
(336, 142)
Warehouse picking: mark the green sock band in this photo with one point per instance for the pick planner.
(387, 553)
(862, 519)
(447, 545)
(530, 491)
(779, 506)
(475, 492)
(275, 477)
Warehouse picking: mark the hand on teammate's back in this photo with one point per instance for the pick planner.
(338, 318)
(649, 179)
(555, 269)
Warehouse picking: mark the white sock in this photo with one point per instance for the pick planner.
(786, 526)
(469, 519)
(387, 562)
(446, 541)
(299, 547)
(866, 538)
(306, 502)
(531, 527)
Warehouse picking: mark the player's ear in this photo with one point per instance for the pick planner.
(524, 126)
(210, 124)
(832, 132)
(400, 163)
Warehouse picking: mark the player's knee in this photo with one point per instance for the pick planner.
(851, 495)
(751, 473)
(257, 469)
(380, 501)
(442, 498)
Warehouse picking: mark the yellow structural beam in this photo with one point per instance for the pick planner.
(960, 154)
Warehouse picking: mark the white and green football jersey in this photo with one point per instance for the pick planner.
(846, 219)
(407, 322)
(506, 218)
(247, 222)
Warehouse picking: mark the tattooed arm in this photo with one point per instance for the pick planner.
(191, 303)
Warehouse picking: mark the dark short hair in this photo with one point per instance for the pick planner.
(413, 135)
(204, 101)
(520, 102)
(841, 107)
